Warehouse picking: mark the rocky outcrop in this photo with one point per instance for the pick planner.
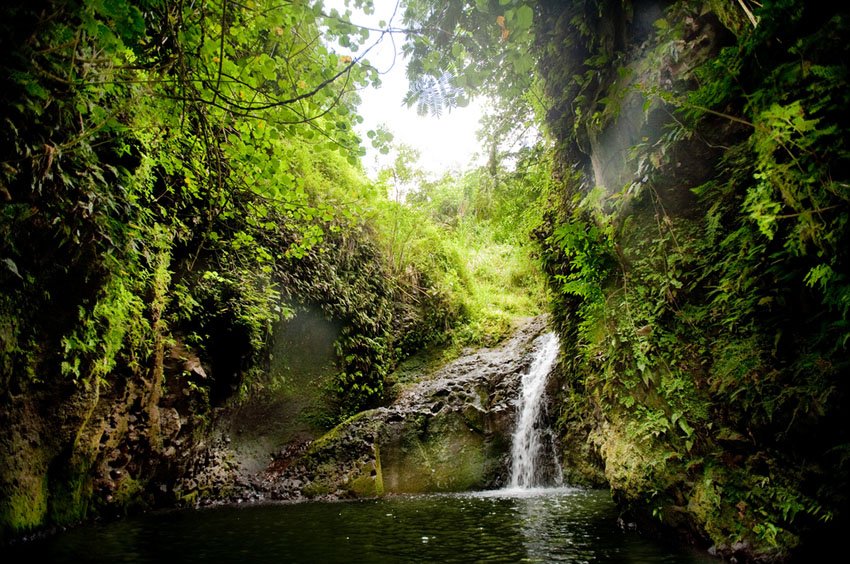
(450, 431)
(71, 452)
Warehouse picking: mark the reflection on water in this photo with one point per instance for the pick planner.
(564, 525)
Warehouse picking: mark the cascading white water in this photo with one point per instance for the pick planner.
(528, 437)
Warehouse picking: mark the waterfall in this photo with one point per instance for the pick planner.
(529, 439)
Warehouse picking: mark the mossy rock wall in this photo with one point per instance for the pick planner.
(446, 456)
(450, 431)
(70, 453)
(703, 360)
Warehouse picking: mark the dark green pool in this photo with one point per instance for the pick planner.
(567, 525)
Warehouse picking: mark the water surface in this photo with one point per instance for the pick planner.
(564, 525)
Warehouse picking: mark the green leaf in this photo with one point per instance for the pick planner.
(13, 268)
(524, 17)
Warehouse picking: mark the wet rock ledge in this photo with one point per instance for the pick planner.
(449, 431)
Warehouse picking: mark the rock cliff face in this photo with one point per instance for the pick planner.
(106, 450)
(448, 431)
(71, 452)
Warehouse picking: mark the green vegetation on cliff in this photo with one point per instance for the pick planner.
(177, 180)
(704, 297)
(695, 243)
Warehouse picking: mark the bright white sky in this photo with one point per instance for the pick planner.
(444, 143)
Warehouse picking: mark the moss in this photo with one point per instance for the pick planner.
(317, 488)
(367, 480)
(706, 502)
(633, 465)
(707, 376)
(70, 493)
(449, 457)
(127, 494)
(334, 434)
(379, 476)
(24, 508)
(188, 500)
(731, 15)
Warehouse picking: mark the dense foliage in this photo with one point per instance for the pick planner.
(178, 179)
(696, 249)
(202, 154)
(712, 329)
(476, 228)
(162, 138)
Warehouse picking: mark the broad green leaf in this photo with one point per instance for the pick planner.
(524, 17)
